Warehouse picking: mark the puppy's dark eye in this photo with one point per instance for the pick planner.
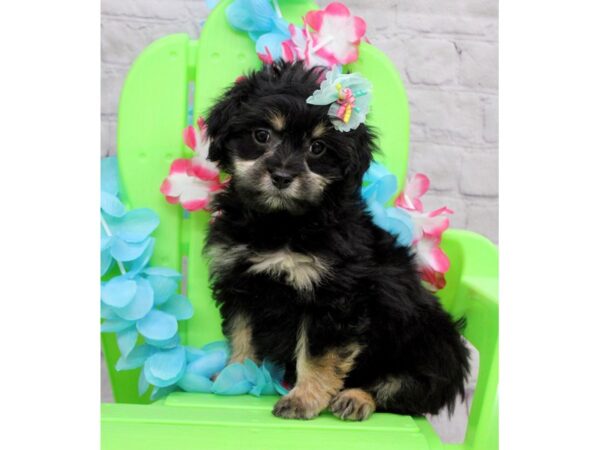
(317, 148)
(262, 136)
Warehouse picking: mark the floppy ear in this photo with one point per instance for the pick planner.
(219, 121)
(361, 157)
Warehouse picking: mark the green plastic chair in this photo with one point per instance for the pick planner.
(176, 79)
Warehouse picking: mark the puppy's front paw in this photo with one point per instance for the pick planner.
(352, 404)
(296, 406)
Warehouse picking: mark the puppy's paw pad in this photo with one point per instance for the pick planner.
(294, 407)
(353, 404)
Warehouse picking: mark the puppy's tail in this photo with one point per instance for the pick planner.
(461, 324)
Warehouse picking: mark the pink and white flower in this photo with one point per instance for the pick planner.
(410, 198)
(337, 33)
(329, 37)
(428, 228)
(192, 182)
(433, 223)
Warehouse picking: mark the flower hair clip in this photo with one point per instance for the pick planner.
(349, 96)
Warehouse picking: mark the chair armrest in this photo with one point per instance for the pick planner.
(476, 298)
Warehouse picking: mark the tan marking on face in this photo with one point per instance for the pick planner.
(300, 270)
(353, 404)
(241, 167)
(319, 130)
(318, 379)
(277, 120)
(239, 333)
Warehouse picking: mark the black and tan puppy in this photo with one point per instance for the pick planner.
(303, 277)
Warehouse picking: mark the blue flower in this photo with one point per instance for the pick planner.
(380, 186)
(124, 236)
(263, 24)
(349, 96)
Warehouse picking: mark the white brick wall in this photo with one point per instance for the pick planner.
(445, 50)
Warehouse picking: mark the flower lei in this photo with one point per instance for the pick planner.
(408, 221)
(140, 301)
(327, 37)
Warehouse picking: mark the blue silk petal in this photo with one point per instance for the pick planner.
(269, 387)
(128, 251)
(106, 260)
(164, 287)
(111, 204)
(106, 312)
(208, 364)
(272, 41)
(280, 389)
(192, 354)
(178, 306)
(141, 304)
(135, 225)
(157, 325)
(193, 382)
(136, 358)
(276, 373)
(109, 175)
(252, 371)
(165, 343)
(379, 214)
(254, 35)
(135, 266)
(143, 384)
(115, 325)
(211, 4)
(232, 381)
(400, 224)
(126, 340)
(217, 345)
(118, 292)
(105, 239)
(251, 15)
(282, 26)
(160, 392)
(255, 376)
(165, 367)
(162, 272)
(382, 183)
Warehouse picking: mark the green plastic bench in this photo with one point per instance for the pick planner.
(177, 78)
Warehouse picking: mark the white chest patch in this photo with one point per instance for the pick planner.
(300, 270)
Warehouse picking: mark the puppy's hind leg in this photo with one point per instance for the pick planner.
(405, 394)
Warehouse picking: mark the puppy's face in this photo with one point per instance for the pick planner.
(282, 153)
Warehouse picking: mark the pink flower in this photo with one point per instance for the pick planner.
(434, 281)
(337, 33)
(410, 198)
(428, 228)
(192, 182)
(301, 47)
(432, 261)
(433, 223)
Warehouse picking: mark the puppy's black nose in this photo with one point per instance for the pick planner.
(281, 179)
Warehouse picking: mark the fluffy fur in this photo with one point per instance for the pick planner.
(301, 274)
